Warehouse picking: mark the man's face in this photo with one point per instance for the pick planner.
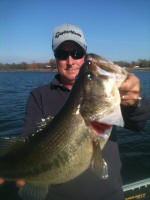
(69, 67)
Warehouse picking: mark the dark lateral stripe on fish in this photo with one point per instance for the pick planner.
(32, 172)
(61, 159)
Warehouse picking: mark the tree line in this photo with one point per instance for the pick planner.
(51, 65)
(142, 63)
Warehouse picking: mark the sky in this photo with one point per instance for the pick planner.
(115, 29)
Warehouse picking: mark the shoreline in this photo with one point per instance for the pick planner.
(38, 70)
(139, 69)
(55, 70)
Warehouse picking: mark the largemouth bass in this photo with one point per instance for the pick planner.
(72, 141)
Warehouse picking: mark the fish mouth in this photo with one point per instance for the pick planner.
(100, 128)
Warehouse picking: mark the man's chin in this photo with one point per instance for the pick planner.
(72, 76)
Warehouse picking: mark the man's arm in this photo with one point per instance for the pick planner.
(135, 117)
(33, 114)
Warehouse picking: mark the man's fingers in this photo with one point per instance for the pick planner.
(130, 90)
(128, 100)
(20, 183)
(1, 180)
(131, 84)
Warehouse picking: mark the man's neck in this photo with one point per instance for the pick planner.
(67, 83)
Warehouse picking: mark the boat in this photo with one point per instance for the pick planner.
(139, 190)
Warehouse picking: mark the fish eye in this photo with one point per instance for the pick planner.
(89, 62)
(89, 76)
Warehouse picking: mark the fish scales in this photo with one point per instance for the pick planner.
(48, 146)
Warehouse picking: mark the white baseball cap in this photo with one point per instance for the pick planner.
(67, 32)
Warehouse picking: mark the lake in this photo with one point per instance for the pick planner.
(14, 91)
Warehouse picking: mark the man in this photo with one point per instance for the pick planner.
(69, 48)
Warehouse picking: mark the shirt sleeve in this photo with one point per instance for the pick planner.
(33, 114)
(135, 117)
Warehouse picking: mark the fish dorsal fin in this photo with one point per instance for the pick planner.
(43, 123)
(8, 144)
(33, 191)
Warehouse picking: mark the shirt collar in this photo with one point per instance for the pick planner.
(56, 83)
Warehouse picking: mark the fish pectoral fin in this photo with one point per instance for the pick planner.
(10, 143)
(98, 164)
(33, 191)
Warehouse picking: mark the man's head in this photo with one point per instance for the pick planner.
(69, 48)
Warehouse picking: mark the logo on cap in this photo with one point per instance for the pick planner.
(66, 32)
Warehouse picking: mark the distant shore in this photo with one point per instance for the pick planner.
(55, 70)
(138, 69)
(35, 70)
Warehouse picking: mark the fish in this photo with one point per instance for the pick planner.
(65, 146)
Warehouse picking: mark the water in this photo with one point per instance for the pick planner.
(14, 91)
(135, 146)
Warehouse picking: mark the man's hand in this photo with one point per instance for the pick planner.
(130, 90)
